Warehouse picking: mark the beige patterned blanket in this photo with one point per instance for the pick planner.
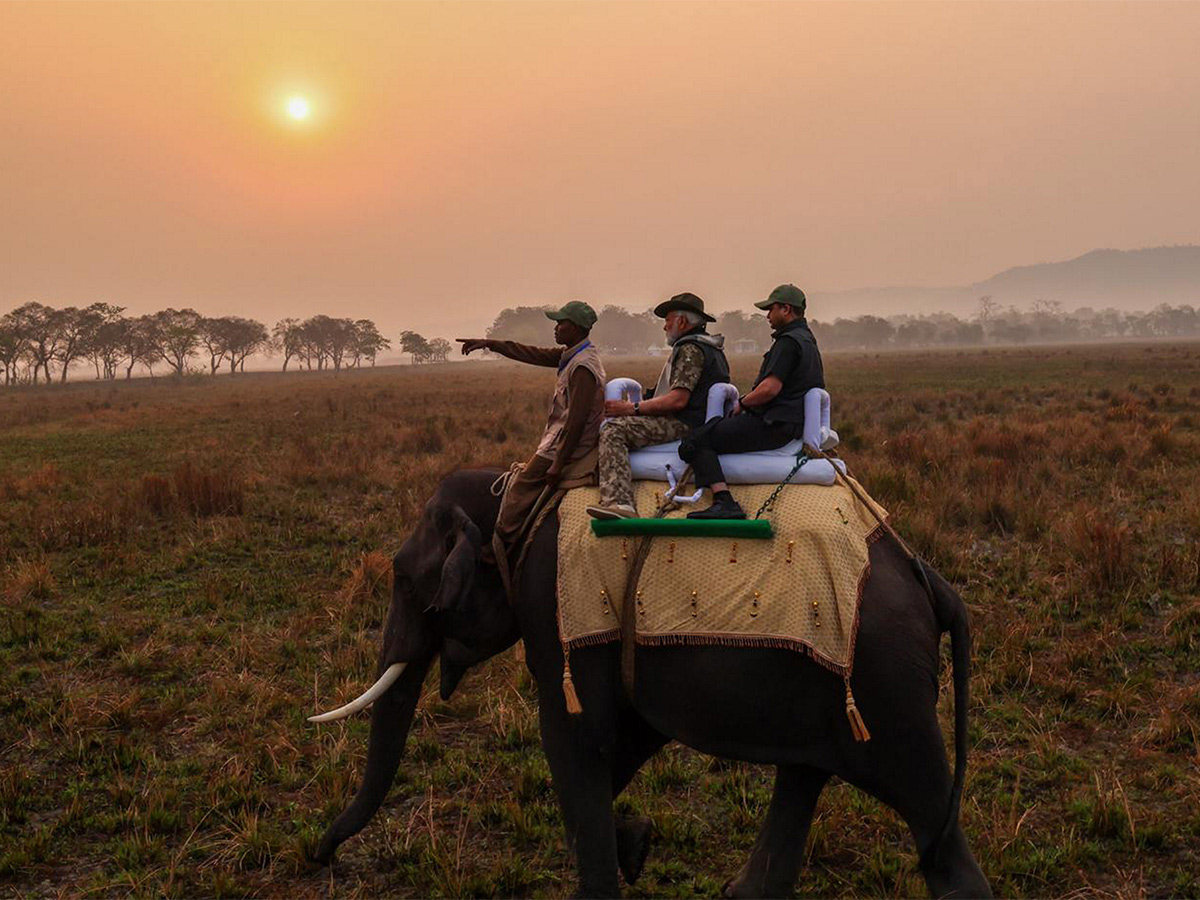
(799, 590)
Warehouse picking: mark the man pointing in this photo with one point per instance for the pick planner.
(567, 450)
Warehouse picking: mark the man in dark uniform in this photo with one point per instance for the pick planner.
(771, 414)
(680, 400)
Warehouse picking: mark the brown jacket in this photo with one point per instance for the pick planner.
(572, 433)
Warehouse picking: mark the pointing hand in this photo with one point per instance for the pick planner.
(472, 344)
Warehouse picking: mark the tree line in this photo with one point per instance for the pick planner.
(620, 331)
(39, 343)
(1044, 322)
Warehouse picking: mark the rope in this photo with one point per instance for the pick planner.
(500, 485)
(629, 601)
(546, 504)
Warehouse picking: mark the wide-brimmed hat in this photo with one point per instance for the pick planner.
(687, 301)
(785, 293)
(576, 311)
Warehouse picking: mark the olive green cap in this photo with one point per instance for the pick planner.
(576, 311)
(785, 293)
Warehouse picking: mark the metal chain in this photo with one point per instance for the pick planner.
(801, 459)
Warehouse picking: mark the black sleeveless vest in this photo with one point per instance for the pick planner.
(716, 370)
(788, 405)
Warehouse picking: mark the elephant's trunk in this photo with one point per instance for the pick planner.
(391, 718)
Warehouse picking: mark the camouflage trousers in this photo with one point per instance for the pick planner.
(620, 436)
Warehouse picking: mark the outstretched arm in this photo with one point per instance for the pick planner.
(535, 356)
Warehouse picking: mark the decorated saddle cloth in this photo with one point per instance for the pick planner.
(799, 590)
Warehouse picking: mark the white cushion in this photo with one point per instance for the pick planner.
(758, 467)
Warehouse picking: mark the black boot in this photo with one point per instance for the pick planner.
(723, 507)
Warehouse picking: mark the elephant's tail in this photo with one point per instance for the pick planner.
(952, 616)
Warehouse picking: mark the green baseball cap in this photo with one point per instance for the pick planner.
(785, 293)
(576, 311)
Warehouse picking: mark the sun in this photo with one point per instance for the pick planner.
(299, 108)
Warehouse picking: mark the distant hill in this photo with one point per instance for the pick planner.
(1124, 279)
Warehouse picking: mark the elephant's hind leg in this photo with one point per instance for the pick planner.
(918, 787)
(774, 864)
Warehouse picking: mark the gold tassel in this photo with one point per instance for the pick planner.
(857, 726)
(573, 705)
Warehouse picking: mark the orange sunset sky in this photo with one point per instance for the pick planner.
(462, 157)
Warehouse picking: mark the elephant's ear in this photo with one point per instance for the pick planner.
(462, 539)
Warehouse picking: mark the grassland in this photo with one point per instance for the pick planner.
(188, 569)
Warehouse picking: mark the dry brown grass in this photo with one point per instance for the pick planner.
(190, 569)
(208, 492)
(371, 579)
(30, 580)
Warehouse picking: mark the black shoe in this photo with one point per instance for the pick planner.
(721, 509)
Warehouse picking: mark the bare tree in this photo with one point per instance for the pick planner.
(988, 307)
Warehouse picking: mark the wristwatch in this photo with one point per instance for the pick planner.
(637, 407)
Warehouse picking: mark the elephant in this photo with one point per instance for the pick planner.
(445, 604)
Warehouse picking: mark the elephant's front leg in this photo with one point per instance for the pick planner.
(772, 868)
(583, 781)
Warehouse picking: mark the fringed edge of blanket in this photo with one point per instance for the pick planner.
(765, 642)
(595, 639)
(844, 670)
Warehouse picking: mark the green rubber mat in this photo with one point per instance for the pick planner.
(734, 528)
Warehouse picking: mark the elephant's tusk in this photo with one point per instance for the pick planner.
(373, 693)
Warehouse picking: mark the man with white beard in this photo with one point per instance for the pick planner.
(680, 400)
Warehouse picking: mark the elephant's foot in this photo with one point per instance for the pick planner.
(756, 881)
(741, 887)
(954, 873)
(633, 845)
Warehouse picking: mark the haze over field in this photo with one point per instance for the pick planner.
(426, 165)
